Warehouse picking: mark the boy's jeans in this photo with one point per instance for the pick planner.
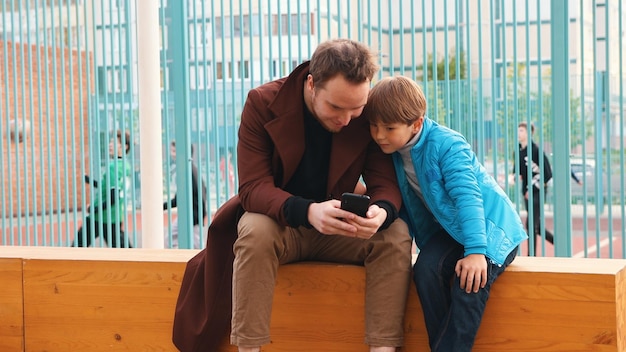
(452, 316)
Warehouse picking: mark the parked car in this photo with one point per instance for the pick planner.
(586, 172)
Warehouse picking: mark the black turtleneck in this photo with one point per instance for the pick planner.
(309, 182)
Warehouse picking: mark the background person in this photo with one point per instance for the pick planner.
(536, 182)
(108, 209)
(198, 195)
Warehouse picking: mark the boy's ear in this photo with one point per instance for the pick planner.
(417, 125)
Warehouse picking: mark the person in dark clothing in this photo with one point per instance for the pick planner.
(575, 178)
(108, 210)
(198, 195)
(537, 182)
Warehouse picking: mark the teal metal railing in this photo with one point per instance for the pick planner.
(69, 82)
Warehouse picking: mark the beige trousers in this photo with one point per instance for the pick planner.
(263, 244)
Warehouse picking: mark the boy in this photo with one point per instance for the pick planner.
(109, 206)
(465, 227)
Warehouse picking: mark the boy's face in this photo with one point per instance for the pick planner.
(115, 148)
(391, 137)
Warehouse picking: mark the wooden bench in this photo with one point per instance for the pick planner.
(99, 299)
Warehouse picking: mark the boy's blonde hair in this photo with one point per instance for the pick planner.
(395, 99)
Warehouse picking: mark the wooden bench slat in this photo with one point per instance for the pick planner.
(11, 305)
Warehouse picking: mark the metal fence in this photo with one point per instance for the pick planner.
(69, 78)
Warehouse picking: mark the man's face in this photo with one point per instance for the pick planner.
(172, 152)
(337, 102)
(522, 135)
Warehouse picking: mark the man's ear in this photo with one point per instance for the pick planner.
(309, 82)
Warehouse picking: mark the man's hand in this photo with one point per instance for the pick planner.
(472, 272)
(328, 218)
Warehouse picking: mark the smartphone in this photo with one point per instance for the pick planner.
(355, 203)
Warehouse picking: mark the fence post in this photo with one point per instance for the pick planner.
(150, 125)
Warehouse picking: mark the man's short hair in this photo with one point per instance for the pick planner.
(353, 60)
(525, 125)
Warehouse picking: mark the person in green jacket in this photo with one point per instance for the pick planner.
(105, 216)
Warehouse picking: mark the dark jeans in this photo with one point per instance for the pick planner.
(452, 316)
(84, 240)
(537, 221)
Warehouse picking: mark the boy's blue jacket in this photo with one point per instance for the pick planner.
(465, 200)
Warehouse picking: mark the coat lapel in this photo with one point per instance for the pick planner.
(287, 131)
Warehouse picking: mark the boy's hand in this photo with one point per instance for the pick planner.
(472, 272)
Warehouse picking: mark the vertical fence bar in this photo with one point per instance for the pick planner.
(608, 128)
(622, 109)
(494, 91)
(7, 216)
(480, 93)
(126, 75)
(467, 127)
(88, 65)
(63, 50)
(180, 88)
(71, 208)
(42, 184)
(166, 119)
(29, 165)
(598, 102)
(456, 124)
(412, 41)
(581, 15)
(14, 177)
(560, 107)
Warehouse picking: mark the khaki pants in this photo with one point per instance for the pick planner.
(263, 244)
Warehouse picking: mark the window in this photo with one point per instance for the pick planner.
(243, 69)
(222, 27)
(219, 74)
(290, 28)
(200, 77)
(279, 68)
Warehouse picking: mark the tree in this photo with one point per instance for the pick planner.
(437, 110)
(441, 68)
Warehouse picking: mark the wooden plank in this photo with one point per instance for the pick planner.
(620, 301)
(321, 304)
(98, 253)
(11, 305)
(94, 305)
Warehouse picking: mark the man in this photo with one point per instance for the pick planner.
(197, 194)
(534, 184)
(301, 145)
